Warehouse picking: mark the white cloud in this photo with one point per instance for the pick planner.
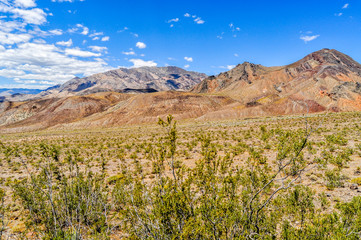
(105, 39)
(68, 43)
(173, 20)
(24, 3)
(27, 58)
(345, 6)
(85, 30)
(30, 16)
(98, 48)
(307, 39)
(129, 53)
(141, 63)
(123, 30)
(9, 26)
(187, 15)
(198, 20)
(41, 63)
(186, 66)
(80, 53)
(96, 34)
(141, 45)
(188, 59)
(10, 38)
(229, 67)
(338, 14)
(56, 32)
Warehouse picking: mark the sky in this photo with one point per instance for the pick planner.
(48, 42)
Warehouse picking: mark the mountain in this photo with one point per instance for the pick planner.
(17, 93)
(11, 91)
(132, 80)
(324, 80)
(105, 109)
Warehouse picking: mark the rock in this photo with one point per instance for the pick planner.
(354, 186)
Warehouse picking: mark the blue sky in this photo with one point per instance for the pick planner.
(47, 42)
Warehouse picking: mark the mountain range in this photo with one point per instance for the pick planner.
(326, 80)
(124, 80)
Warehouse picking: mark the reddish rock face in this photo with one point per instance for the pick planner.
(327, 78)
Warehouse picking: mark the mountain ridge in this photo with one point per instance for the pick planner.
(326, 80)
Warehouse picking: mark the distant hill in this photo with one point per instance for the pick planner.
(136, 80)
(11, 91)
(324, 80)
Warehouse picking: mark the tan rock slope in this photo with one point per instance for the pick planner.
(326, 80)
(323, 80)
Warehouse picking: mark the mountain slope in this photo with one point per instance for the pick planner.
(105, 109)
(326, 79)
(141, 80)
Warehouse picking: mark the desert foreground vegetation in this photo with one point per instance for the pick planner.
(294, 177)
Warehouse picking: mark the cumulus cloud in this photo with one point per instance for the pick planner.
(27, 58)
(25, 3)
(173, 20)
(188, 59)
(10, 38)
(39, 63)
(85, 30)
(187, 15)
(98, 48)
(229, 67)
(105, 39)
(31, 16)
(56, 32)
(129, 53)
(186, 66)
(307, 39)
(68, 43)
(80, 53)
(345, 6)
(141, 45)
(96, 34)
(141, 63)
(198, 20)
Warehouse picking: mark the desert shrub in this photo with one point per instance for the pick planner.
(216, 199)
(220, 197)
(338, 139)
(356, 181)
(62, 201)
(334, 179)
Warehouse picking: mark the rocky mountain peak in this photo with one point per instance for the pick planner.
(331, 57)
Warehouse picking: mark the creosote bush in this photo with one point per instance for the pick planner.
(153, 194)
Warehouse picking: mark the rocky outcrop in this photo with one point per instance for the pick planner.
(328, 78)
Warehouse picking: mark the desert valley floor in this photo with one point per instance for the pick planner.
(127, 151)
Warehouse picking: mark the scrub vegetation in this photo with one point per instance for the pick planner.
(268, 178)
